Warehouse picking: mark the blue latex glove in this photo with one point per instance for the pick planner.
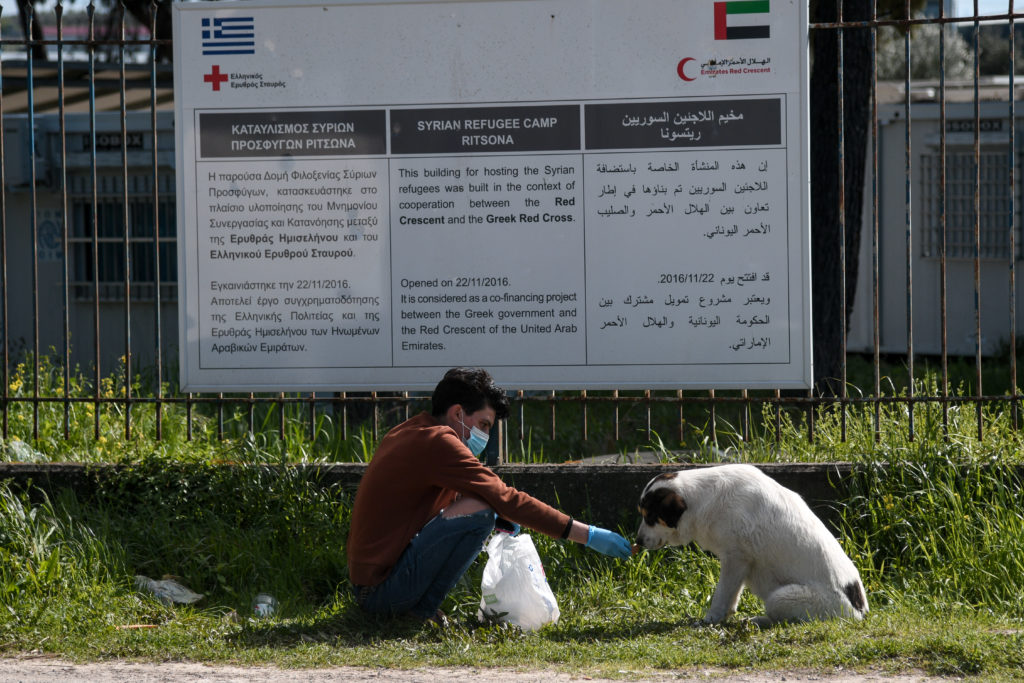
(608, 542)
(507, 526)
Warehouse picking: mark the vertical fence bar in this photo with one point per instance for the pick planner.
(65, 241)
(312, 418)
(908, 230)
(681, 420)
(841, 156)
(127, 260)
(157, 271)
(33, 224)
(745, 415)
(713, 419)
(220, 417)
(943, 231)
(1014, 416)
(251, 414)
(344, 415)
(5, 349)
(615, 396)
(280, 416)
(554, 424)
(876, 342)
(376, 416)
(583, 411)
(778, 419)
(502, 437)
(94, 175)
(977, 221)
(522, 416)
(810, 416)
(647, 411)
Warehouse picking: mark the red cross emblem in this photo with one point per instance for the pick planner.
(215, 77)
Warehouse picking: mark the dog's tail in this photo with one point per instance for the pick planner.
(858, 598)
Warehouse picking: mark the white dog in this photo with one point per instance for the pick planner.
(765, 537)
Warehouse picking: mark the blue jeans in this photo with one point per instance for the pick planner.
(431, 565)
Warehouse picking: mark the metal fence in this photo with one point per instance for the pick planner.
(88, 279)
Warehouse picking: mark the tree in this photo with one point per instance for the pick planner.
(924, 53)
(994, 48)
(828, 198)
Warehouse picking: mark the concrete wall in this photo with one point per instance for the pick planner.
(606, 495)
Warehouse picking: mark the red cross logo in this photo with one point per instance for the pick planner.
(215, 77)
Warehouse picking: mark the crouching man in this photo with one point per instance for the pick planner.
(426, 503)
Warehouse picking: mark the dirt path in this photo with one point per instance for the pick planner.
(46, 670)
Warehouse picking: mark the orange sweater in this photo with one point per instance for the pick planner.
(417, 471)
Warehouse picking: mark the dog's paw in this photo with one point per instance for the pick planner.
(713, 617)
(703, 624)
(712, 621)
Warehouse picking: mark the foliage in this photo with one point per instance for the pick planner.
(224, 529)
(935, 525)
(915, 530)
(82, 420)
(952, 531)
(85, 420)
(924, 53)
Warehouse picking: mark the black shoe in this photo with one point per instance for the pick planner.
(439, 620)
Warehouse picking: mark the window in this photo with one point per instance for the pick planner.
(104, 262)
(993, 200)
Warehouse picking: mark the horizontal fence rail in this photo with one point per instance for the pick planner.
(88, 272)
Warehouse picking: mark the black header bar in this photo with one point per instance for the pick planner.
(709, 123)
(292, 134)
(471, 130)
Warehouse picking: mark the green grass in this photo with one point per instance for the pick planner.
(935, 524)
(940, 549)
(97, 426)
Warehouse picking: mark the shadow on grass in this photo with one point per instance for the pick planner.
(351, 627)
(623, 629)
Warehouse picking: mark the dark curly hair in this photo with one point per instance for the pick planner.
(472, 388)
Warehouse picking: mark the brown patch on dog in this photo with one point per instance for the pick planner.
(662, 506)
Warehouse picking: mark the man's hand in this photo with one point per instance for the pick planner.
(608, 542)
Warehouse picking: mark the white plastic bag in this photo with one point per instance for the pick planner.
(167, 591)
(514, 588)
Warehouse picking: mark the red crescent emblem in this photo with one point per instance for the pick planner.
(681, 68)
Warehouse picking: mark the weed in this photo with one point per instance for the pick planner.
(934, 524)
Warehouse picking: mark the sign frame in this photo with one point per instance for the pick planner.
(333, 194)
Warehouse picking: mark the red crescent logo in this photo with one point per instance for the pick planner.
(681, 68)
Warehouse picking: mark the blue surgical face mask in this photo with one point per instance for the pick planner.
(477, 440)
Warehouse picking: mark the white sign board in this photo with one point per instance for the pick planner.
(571, 193)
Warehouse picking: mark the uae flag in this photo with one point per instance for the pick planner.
(741, 19)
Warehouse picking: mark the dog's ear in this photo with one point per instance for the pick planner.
(662, 506)
(660, 479)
